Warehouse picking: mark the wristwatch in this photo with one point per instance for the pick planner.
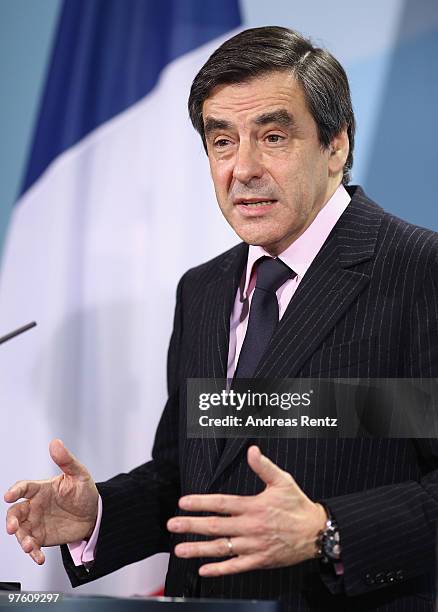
(328, 542)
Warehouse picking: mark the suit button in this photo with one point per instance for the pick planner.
(390, 576)
(380, 578)
(369, 579)
(399, 575)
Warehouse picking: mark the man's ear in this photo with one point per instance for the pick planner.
(338, 150)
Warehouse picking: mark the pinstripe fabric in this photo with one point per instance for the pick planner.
(368, 306)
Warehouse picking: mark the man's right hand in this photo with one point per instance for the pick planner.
(60, 510)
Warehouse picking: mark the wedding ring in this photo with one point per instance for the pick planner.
(230, 547)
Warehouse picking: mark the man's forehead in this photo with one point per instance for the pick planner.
(275, 97)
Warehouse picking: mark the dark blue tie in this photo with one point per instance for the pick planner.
(263, 314)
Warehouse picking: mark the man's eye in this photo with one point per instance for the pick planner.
(221, 142)
(274, 138)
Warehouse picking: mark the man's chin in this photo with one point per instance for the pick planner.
(251, 239)
(260, 241)
(258, 232)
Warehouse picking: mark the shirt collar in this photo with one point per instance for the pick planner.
(300, 254)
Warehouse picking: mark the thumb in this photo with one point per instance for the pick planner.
(265, 469)
(65, 460)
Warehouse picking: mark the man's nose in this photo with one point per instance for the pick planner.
(248, 163)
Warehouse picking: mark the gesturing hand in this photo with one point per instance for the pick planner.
(275, 528)
(56, 511)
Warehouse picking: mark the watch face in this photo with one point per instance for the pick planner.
(331, 542)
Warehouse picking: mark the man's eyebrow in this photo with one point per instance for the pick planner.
(212, 124)
(282, 117)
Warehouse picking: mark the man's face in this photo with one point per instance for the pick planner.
(270, 173)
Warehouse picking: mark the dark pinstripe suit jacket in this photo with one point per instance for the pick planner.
(368, 306)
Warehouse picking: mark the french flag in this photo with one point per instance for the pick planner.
(116, 204)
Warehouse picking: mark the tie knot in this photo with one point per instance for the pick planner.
(272, 273)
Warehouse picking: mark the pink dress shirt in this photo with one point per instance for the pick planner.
(298, 256)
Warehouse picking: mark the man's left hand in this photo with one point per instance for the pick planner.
(276, 528)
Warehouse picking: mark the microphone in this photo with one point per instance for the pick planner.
(16, 332)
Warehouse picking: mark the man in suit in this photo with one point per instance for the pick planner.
(322, 524)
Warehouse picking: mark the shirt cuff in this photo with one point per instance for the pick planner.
(339, 568)
(83, 551)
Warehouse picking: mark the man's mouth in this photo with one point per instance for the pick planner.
(254, 203)
(253, 207)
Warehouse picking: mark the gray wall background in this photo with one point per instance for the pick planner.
(26, 31)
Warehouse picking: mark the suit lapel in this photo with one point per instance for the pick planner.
(325, 293)
(214, 323)
(214, 333)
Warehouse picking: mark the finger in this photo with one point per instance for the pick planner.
(65, 460)
(16, 514)
(265, 469)
(12, 525)
(236, 565)
(208, 525)
(27, 542)
(222, 504)
(38, 556)
(217, 548)
(22, 488)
